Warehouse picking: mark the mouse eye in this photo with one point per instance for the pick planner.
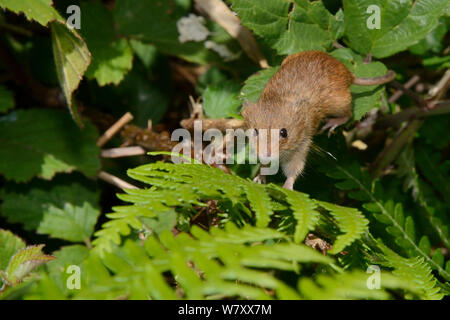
(256, 132)
(283, 133)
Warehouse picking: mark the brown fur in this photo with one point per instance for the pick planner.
(308, 87)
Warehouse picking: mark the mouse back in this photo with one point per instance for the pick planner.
(313, 80)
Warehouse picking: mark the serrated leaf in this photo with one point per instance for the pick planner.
(65, 211)
(164, 221)
(41, 11)
(424, 245)
(221, 101)
(402, 24)
(255, 84)
(45, 142)
(291, 26)
(147, 53)
(6, 99)
(112, 58)
(260, 203)
(303, 210)
(72, 59)
(25, 261)
(9, 245)
(438, 257)
(67, 256)
(409, 228)
(351, 223)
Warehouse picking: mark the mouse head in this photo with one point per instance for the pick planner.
(284, 123)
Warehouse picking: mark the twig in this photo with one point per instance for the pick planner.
(221, 124)
(337, 45)
(219, 12)
(148, 139)
(439, 89)
(123, 152)
(115, 181)
(196, 108)
(435, 108)
(408, 85)
(417, 98)
(127, 117)
(391, 151)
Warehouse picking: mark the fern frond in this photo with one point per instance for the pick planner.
(350, 221)
(303, 209)
(229, 262)
(407, 170)
(183, 186)
(343, 286)
(360, 188)
(415, 274)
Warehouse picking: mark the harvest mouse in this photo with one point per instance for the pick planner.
(309, 87)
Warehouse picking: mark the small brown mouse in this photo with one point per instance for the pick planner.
(309, 87)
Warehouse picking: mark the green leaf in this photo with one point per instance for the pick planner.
(365, 98)
(350, 221)
(303, 210)
(165, 221)
(255, 84)
(291, 26)
(438, 257)
(41, 11)
(9, 245)
(260, 203)
(25, 261)
(147, 53)
(65, 211)
(424, 245)
(155, 22)
(414, 272)
(433, 41)
(221, 101)
(144, 98)
(402, 24)
(111, 58)
(45, 142)
(72, 59)
(65, 257)
(6, 99)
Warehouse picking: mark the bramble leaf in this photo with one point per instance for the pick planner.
(45, 142)
(25, 261)
(41, 11)
(72, 59)
(111, 58)
(402, 24)
(65, 211)
(9, 245)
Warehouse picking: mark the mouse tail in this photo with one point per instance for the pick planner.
(389, 76)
